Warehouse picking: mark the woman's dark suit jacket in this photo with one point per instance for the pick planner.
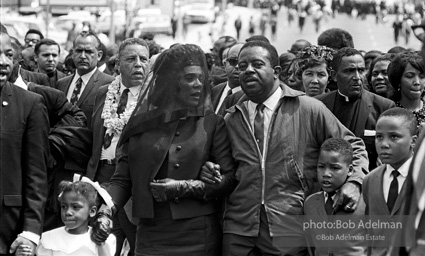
(189, 143)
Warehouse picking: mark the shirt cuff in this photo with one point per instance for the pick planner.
(33, 237)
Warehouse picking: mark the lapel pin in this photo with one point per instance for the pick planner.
(4, 103)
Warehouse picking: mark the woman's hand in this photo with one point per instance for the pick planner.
(210, 173)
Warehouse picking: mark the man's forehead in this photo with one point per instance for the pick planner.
(49, 48)
(134, 49)
(5, 42)
(254, 51)
(234, 50)
(87, 41)
(33, 35)
(353, 59)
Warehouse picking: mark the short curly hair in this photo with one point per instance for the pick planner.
(335, 38)
(397, 67)
(84, 189)
(339, 145)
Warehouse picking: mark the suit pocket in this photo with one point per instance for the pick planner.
(12, 200)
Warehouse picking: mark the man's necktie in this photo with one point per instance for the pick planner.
(393, 192)
(259, 126)
(229, 92)
(329, 203)
(120, 109)
(77, 90)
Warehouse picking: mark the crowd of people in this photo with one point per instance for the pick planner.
(181, 152)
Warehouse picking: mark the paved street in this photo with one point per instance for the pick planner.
(366, 33)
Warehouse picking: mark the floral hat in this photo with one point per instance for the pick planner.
(314, 52)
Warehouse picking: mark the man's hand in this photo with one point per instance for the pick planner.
(210, 173)
(24, 246)
(348, 197)
(102, 225)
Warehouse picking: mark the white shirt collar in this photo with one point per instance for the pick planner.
(102, 67)
(403, 170)
(135, 90)
(270, 103)
(85, 77)
(19, 81)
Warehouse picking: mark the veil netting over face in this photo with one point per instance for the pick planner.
(160, 103)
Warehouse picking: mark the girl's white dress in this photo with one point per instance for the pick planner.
(58, 242)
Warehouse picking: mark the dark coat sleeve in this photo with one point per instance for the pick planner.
(34, 156)
(221, 153)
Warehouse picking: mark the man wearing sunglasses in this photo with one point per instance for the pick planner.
(220, 93)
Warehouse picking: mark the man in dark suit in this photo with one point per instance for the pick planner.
(103, 160)
(20, 76)
(23, 141)
(355, 107)
(81, 88)
(46, 55)
(217, 73)
(220, 93)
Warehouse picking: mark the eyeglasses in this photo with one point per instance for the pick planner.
(419, 32)
(232, 61)
(34, 41)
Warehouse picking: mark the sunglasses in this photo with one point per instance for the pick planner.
(419, 32)
(232, 61)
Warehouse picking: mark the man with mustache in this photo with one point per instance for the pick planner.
(355, 107)
(81, 88)
(46, 55)
(23, 142)
(133, 63)
(276, 134)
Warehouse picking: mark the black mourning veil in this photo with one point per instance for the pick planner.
(158, 103)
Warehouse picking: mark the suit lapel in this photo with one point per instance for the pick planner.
(400, 199)
(89, 87)
(218, 96)
(379, 191)
(65, 86)
(364, 111)
(6, 95)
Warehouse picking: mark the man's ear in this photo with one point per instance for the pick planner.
(93, 211)
(413, 142)
(99, 55)
(333, 75)
(36, 58)
(350, 170)
(277, 71)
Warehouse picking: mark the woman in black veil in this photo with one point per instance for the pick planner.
(173, 131)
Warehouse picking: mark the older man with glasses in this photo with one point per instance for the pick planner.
(220, 93)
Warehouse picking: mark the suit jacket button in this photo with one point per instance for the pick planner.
(176, 166)
(179, 147)
(177, 133)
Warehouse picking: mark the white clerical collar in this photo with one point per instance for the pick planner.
(345, 97)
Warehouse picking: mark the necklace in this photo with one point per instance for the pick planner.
(113, 122)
